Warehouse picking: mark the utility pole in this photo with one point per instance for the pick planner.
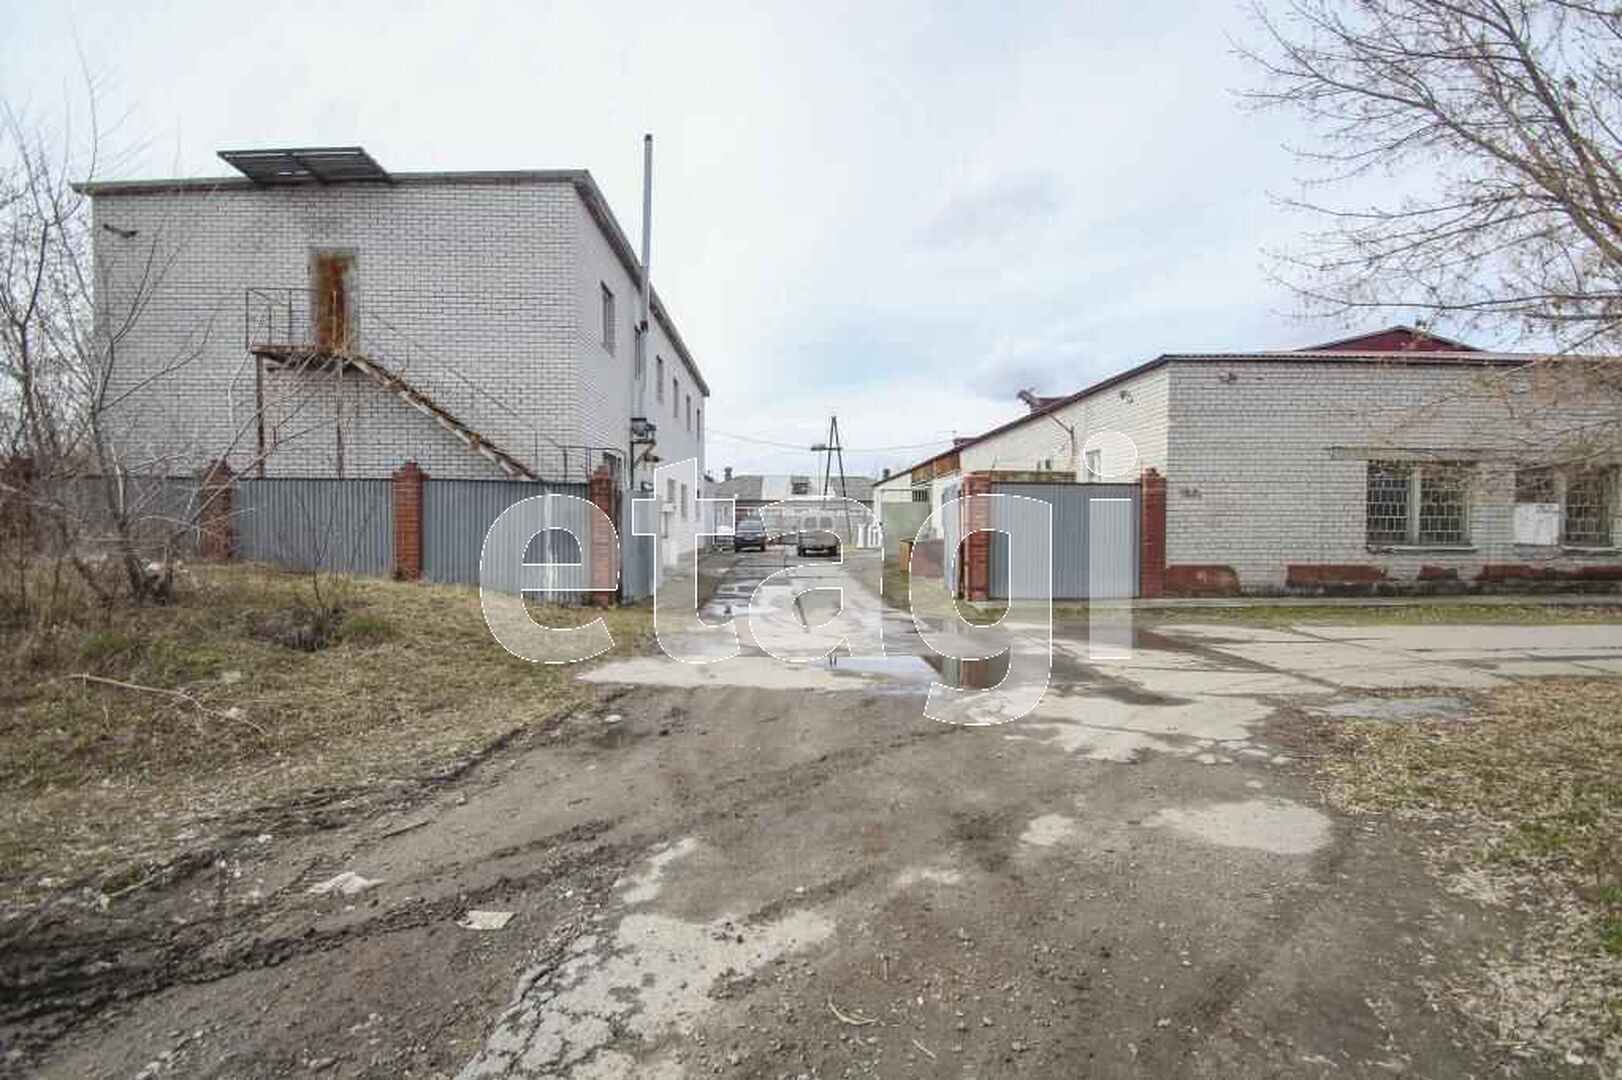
(833, 451)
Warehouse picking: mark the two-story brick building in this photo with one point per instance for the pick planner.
(1392, 460)
(318, 316)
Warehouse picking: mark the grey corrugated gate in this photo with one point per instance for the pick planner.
(1095, 542)
(337, 526)
(458, 513)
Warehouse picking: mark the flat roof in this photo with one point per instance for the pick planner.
(581, 180)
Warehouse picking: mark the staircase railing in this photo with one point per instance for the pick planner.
(281, 318)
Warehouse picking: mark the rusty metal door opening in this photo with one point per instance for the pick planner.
(331, 282)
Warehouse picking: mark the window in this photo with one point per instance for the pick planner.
(920, 495)
(689, 412)
(659, 371)
(675, 398)
(608, 319)
(701, 425)
(1418, 503)
(801, 487)
(1573, 507)
(1095, 464)
(684, 502)
(1589, 503)
(1537, 507)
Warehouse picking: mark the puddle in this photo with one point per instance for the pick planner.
(910, 669)
(1276, 826)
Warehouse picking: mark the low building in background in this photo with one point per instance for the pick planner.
(1391, 462)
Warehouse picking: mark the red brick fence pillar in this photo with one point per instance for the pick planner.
(604, 492)
(408, 521)
(16, 501)
(216, 521)
(976, 572)
(1152, 535)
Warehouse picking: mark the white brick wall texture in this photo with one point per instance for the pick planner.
(1266, 463)
(483, 293)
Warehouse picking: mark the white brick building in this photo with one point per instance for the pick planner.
(1389, 461)
(508, 300)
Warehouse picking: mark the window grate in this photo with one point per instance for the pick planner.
(1535, 486)
(1409, 503)
(1589, 508)
(1444, 505)
(1388, 490)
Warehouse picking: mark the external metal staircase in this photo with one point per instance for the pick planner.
(310, 357)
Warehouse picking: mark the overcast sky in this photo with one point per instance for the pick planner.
(899, 213)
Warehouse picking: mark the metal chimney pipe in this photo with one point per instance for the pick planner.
(647, 275)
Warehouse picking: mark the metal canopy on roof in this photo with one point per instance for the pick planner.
(306, 165)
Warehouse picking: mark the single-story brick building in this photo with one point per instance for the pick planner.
(1392, 461)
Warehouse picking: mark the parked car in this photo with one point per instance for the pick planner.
(749, 533)
(816, 536)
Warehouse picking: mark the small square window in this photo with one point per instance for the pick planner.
(608, 319)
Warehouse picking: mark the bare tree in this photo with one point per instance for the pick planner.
(101, 484)
(1500, 124)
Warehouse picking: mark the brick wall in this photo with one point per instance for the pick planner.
(1267, 466)
(483, 279)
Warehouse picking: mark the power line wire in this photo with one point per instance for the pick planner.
(851, 449)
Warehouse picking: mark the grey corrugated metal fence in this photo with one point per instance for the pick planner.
(162, 510)
(1095, 542)
(458, 513)
(637, 574)
(336, 526)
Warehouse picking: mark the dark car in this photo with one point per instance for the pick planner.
(817, 536)
(749, 533)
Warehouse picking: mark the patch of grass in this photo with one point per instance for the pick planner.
(214, 718)
(367, 628)
(100, 645)
(1534, 782)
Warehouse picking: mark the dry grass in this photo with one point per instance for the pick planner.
(97, 775)
(1535, 781)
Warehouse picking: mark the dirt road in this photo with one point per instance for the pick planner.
(753, 870)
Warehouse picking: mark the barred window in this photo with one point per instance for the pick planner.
(1414, 503)
(920, 494)
(1589, 507)
(1389, 484)
(1535, 486)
